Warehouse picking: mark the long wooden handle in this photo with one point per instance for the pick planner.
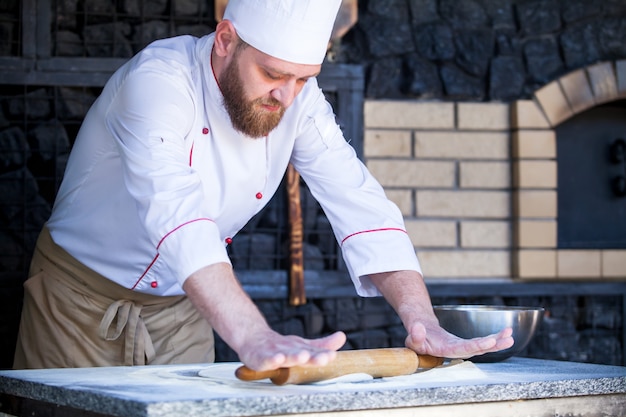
(375, 362)
(297, 294)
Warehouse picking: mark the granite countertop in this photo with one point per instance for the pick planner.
(212, 389)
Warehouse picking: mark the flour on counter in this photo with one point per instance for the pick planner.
(451, 372)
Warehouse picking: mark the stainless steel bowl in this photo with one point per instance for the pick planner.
(469, 321)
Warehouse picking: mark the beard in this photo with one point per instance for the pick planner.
(247, 116)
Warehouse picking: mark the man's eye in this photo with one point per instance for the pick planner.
(272, 76)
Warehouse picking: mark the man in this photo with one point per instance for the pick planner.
(186, 143)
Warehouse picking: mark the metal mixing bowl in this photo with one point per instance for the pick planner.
(469, 321)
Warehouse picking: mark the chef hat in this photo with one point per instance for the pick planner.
(297, 31)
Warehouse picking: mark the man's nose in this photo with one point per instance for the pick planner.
(285, 93)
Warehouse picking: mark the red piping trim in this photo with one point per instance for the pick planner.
(373, 230)
(159, 244)
(145, 272)
(178, 227)
(191, 154)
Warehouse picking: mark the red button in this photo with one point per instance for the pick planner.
(154, 284)
(205, 131)
(259, 196)
(228, 240)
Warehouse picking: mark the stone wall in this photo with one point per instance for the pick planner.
(479, 50)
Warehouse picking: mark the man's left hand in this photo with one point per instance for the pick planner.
(433, 340)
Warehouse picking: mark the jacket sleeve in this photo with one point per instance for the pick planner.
(368, 227)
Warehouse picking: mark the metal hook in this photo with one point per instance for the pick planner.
(617, 152)
(618, 185)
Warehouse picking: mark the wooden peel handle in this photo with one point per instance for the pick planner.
(297, 295)
(378, 363)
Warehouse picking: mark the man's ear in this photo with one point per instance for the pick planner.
(225, 38)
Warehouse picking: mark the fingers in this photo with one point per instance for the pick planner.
(508, 332)
(497, 341)
(485, 344)
(332, 342)
(288, 351)
(265, 359)
(324, 350)
(438, 342)
(492, 343)
(504, 339)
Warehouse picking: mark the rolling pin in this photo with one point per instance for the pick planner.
(378, 363)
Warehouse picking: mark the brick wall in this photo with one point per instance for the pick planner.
(477, 182)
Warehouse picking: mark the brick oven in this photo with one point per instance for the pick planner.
(460, 108)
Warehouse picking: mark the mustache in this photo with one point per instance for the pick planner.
(269, 102)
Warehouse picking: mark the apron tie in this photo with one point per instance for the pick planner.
(138, 347)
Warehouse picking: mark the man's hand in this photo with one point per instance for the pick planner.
(216, 293)
(273, 350)
(435, 341)
(407, 294)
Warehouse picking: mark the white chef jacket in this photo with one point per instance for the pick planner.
(158, 180)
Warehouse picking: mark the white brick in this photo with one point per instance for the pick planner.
(465, 264)
(483, 116)
(468, 204)
(462, 145)
(485, 174)
(377, 142)
(433, 234)
(408, 114)
(485, 234)
(411, 173)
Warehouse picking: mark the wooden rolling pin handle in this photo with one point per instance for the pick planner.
(246, 374)
(427, 361)
(277, 376)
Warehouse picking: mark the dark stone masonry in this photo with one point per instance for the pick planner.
(479, 50)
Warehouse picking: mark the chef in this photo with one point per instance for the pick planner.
(188, 141)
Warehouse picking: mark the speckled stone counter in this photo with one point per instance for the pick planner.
(515, 387)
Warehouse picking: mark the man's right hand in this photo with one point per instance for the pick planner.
(216, 293)
(274, 350)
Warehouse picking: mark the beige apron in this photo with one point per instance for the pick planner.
(73, 317)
